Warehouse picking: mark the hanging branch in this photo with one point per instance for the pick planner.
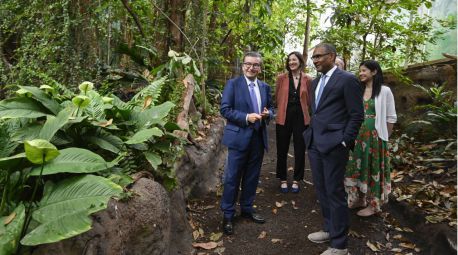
(134, 16)
(225, 37)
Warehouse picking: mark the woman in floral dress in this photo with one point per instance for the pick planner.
(367, 179)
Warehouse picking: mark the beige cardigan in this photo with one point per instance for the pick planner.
(384, 112)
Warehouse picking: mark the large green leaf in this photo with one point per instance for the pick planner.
(107, 142)
(7, 144)
(43, 98)
(22, 107)
(143, 135)
(27, 132)
(153, 115)
(11, 232)
(154, 159)
(11, 162)
(53, 124)
(74, 160)
(63, 212)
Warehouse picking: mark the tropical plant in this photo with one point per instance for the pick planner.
(85, 139)
(442, 111)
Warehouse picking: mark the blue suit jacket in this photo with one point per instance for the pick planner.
(339, 114)
(235, 105)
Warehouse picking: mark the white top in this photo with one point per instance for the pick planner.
(256, 90)
(327, 75)
(385, 112)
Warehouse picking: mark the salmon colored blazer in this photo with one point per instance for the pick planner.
(281, 96)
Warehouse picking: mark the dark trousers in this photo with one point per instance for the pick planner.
(328, 178)
(243, 169)
(294, 125)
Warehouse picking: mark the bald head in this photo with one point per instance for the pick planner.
(340, 63)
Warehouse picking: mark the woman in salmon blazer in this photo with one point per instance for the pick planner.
(292, 99)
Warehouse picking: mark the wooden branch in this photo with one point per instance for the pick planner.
(134, 16)
(449, 56)
(182, 119)
(225, 37)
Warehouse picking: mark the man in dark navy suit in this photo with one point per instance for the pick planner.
(337, 114)
(247, 106)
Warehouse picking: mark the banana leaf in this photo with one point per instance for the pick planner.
(10, 234)
(65, 208)
(74, 160)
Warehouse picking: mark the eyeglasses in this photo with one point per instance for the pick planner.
(254, 65)
(319, 56)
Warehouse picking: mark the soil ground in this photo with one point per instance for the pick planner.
(287, 226)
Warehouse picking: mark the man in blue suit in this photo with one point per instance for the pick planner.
(247, 106)
(337, 114)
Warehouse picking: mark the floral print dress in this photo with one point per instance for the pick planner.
(368, 168)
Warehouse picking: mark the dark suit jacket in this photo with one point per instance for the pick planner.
(235, 105)
(339, 114)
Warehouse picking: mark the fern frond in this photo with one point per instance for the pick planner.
(7, 145)
(153, 90)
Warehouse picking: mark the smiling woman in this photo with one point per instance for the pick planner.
(291, 95)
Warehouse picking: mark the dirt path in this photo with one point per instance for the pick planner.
(287, 227)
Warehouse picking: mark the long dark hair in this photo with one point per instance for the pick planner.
(377, 80)
(301, 61)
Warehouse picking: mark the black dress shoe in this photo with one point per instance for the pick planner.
(256, 218)
(228, 227)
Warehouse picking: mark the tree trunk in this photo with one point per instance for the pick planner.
(305, 52)
(177, 15)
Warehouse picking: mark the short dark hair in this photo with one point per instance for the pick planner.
(377, 81)
(328, 47)
(301, 60)
(254, 54)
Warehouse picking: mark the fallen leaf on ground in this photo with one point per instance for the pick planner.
(259, 190)
(397, 237)
(371, 246)
(206, 246)
(355, 234)
(208, 207)
(220, 250)
(262, 235)
(274, 210)
(407, 245)
(193, 225)
(215, 236)
(407, 229)
(294, 205)
(195, 234)
(276, 240)
(310, 183)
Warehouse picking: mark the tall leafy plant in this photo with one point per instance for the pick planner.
(84, 138)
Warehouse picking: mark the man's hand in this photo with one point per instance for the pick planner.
(265, 113)
(253, 117)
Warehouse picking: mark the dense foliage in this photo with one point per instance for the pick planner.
(56, 135)
(61, 140)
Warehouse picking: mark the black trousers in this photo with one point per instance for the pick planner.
(294, 125)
